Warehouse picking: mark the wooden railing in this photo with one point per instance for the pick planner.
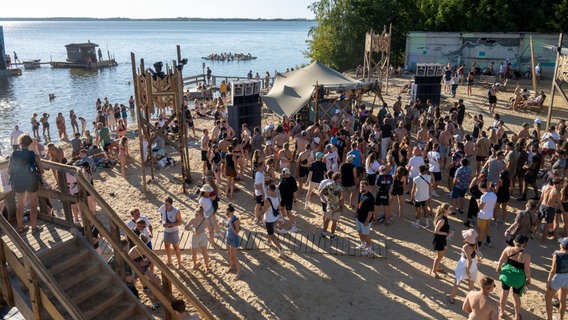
(112, 234)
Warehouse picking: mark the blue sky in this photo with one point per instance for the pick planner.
(157, 9)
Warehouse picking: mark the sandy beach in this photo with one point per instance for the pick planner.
(325, 286)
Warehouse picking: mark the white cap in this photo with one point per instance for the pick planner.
(317, 139)
(458, 137)
(337, 111)
(537, 120)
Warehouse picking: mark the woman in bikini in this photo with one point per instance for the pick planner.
(60, 122)
(245, 142)
(122, 154)
(238, 158)
(215, 160)
(121, 129)
(285, 156)
(230, 172)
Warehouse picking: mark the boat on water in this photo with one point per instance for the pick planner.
(32, 64)
(84, 56)
(229, 57)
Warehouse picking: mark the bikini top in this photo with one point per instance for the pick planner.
(515, 263)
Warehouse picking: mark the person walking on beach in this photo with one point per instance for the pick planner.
(316, 174)
(479, 305)
(288, 188)
(198, 238)
(25, 170)
(333, 193)
(270, 212)
(441, 232)
(486, 206)
(259, 190)
(421, 196)
(365, 215)
(466, 268)
(514, 269)
(122, 155)
(60, 122)
(558, 280)
(171, 220)
(14, 138)
(233, 240)
(73, 120)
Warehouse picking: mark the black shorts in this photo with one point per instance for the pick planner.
(371, 179)
(397, 191)
(303, 171)
(547, 213)
(439, 243)
(382, 200)
(437, 176)
(324, 206)
(21, 186)
(204, 155)
(418, 204)
(515, 290)
(286, 203)
(481, 158)
(259, 200)
(105, 147)
(270, 227)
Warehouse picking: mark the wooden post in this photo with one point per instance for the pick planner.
(149, 104)
(86, 215)
(167, 289)
(7, 293)
(141, 133)
(388, 59)
(11, 206)
(554, 83)
(63, 188)
(533, 67)
(34, 290)
(316, 104)
(115, 235)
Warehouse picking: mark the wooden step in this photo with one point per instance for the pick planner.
(119, 311)
(89, 287)
(77, 273)
(97, 304)
(63, 261)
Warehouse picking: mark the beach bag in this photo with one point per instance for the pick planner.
(275, 211)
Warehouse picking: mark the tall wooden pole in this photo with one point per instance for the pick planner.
(554, 83)
(316, 105)
(388, 59)
(533, 67)
(141, 131)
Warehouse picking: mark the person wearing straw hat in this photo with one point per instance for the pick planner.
(466, 268)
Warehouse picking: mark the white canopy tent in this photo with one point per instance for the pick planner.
(293, 90)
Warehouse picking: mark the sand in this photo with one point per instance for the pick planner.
(323, 286)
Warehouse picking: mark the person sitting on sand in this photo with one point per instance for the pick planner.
(198, 238)
(478, 303)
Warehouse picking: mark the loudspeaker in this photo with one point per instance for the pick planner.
(426, 91)
(245, 112)
(428, 80)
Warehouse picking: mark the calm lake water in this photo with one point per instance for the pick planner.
(277, 44)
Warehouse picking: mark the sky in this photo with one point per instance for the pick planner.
(145, 9)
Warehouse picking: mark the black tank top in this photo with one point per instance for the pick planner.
(515, 263)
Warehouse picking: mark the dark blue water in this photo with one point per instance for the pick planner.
(277, 44)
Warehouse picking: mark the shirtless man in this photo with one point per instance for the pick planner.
(279, 139)
(216, 130)
(397, 106)
(550, 200)
(55, 154)
(400, 132)
(285, 156)
(205, 150)
(230, 129)
(482, 149)
(301, 143)
(445, 140)
(478, 303)
(469, 148)
(524, 133)
(422, 136)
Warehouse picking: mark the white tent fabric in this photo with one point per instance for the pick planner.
(293, 90)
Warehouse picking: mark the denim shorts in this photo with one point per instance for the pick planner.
(362, 228)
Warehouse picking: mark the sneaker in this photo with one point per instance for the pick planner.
(332, 236)
(323, 235)
(281, 230)
(306, 206)
(367, 251)
(416, 225)
(293, 229)
(427, 223)
(361, 247)
(435, 194)
(489, 244)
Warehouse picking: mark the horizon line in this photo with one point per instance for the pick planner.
(122, 18)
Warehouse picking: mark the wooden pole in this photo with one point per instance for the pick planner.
(533, 67)
(388, 59)
(316, 105)
(7, 292)
(141, 133)
(554, 83)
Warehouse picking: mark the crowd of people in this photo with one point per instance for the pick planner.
(354, 160)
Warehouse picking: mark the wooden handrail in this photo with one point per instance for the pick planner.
(166, 272)
(37, 266)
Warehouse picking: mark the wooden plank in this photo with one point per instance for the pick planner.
(34, 290)
(7, 293)
(49, 306)
(310, 243)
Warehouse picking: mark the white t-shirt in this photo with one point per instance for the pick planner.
(132, 224)
(373, 168)
(331, 161)
(422, 184)
(549, 143)
(258, 179)
(269, 216)
(14, 137)
(414, 164)
(489, 199)
(322, 185)
(207, 205)
(433, 161)
(171, 217)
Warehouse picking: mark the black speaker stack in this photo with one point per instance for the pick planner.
(427, 82)
(246, 106)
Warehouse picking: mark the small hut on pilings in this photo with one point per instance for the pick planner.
(160, 88)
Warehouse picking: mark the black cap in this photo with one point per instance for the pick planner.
(521, 239)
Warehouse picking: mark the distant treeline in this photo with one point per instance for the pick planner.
(338, 39)
(152, 19)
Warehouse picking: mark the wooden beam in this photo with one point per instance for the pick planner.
(7, 293)
(554, 84)
(34, 290)
(141, 134)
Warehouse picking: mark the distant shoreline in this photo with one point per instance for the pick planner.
(151, 19)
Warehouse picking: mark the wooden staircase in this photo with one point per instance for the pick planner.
(90, 283)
